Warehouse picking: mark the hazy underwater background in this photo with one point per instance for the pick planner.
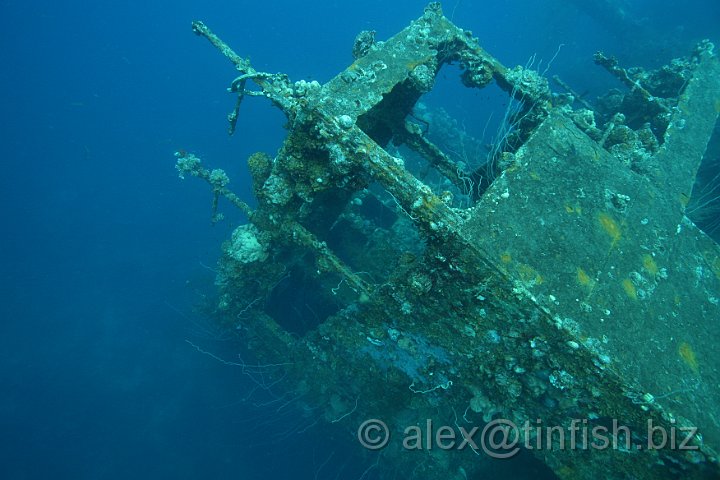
(104, 252)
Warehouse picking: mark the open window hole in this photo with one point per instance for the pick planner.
(472, 127)
(387, 117)
(704, 206)
(300, 302)
(372, 234)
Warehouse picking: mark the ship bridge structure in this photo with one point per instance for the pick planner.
(559, 281)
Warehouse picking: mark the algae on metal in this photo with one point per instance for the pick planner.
(573, 287)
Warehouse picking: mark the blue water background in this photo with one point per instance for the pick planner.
(104, 251)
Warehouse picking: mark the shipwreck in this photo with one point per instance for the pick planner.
(560, 279)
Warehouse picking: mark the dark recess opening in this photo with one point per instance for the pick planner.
(381, 121)
(297, 303)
